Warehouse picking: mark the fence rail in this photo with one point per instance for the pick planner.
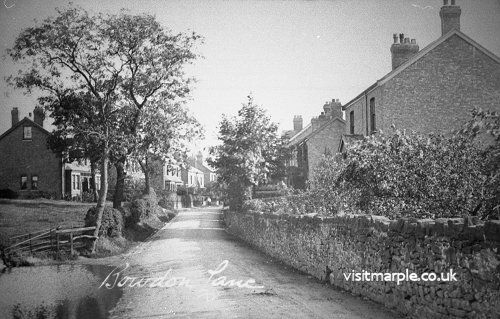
(53, 239)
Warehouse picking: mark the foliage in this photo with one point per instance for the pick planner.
(8, 193)
(163, 135)
(144, 208)
(112, 221)
(411, 175)
(297, 204)
(248, 153)
(113, 66)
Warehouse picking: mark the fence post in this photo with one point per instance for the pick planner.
(31, 247)
(71, 242)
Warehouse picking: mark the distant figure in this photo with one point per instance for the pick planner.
(209, 201)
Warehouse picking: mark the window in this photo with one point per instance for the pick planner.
(34, 182)
(351, 122)
(373, 127)
(27, 133)
(24, 182)
(76, 181)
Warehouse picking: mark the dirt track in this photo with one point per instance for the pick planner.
(189, 255)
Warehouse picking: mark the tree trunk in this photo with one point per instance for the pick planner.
(93, 185)
(101, 203)
(120, 183)
(147, 177)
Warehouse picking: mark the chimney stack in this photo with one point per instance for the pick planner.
(15, 116)
(297, 123)
(403, 50)
(450, 17)
(39, 116)
(336, 108)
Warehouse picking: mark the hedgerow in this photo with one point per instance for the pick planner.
(411, 175)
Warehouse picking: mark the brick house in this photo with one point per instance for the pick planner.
(209, 175)
(309, 144)
(31, 169)
(428, 90)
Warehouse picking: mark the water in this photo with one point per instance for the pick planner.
(63, 291)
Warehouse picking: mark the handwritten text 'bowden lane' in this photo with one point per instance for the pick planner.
(168, 281)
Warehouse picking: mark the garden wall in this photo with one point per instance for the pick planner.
(327, 247)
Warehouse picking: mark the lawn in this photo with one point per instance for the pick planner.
(24, 216)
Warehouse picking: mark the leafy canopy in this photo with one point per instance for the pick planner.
(249, 146)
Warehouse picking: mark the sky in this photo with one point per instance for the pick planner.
(293, 56)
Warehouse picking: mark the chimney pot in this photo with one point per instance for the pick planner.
(413, 41)
(395, 37)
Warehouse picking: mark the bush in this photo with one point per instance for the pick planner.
(111, 224)
(167, 199)
(144, 208)
(8, 193)
(411, 175)
(292, 204)
(254, 205)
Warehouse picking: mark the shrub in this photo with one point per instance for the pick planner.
(411, 175)
(8, 193)
(111, 224)
(253, 205)
(144, 208)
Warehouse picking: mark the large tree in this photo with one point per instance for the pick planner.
(123, 61)
(248, 153)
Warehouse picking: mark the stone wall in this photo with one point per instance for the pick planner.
(328, 247)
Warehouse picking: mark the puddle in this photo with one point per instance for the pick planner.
(62, 291)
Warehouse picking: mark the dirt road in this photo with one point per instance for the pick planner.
(192, 268)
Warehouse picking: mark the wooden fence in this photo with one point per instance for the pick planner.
(54, 239)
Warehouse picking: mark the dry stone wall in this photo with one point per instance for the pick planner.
(329, 247)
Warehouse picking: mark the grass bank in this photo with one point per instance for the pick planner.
(26, 216)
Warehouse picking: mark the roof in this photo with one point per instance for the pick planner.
(301, 134)
(418, 56)
(22, 122)
(307, 132)
(173, 179)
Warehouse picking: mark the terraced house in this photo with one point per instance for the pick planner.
(428, 90)
(309, 144)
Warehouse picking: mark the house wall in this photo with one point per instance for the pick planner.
(324, 141)
(436, 93)
(29, 157)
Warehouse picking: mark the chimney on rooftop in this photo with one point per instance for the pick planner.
(38, 116)
(450, 17)
(15, 115)
(297, 123)
(402, 49)
(335, 108)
